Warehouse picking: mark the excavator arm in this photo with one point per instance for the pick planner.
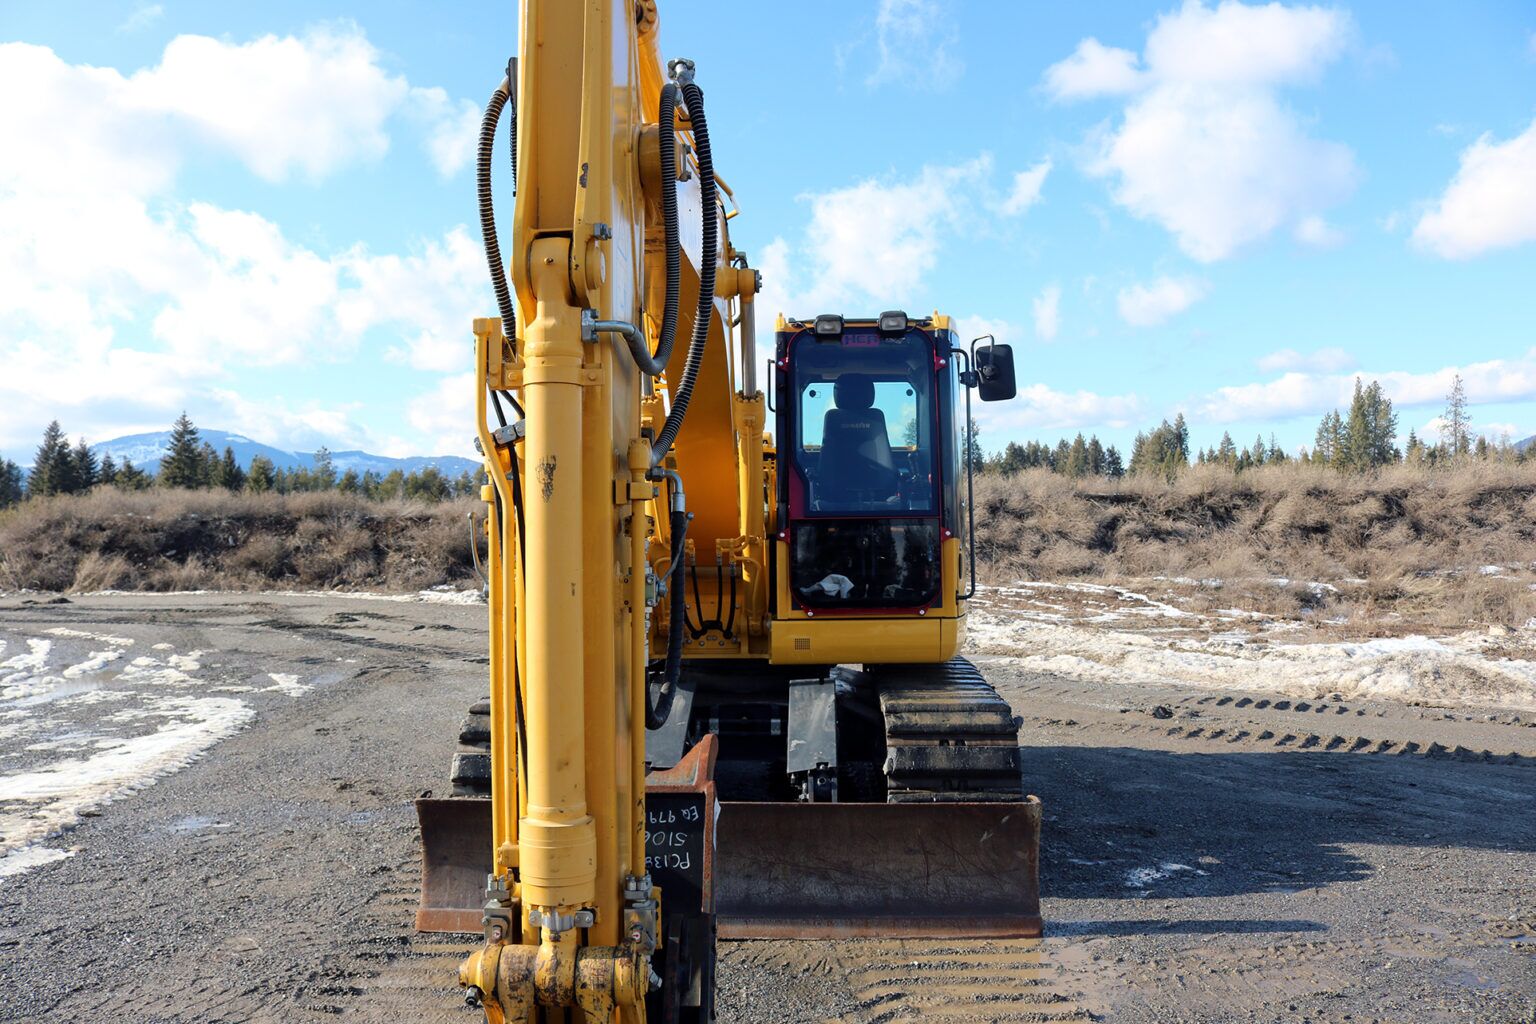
(617, 299)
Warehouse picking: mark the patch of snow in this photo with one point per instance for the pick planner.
(446, 594)
(1140, 878)
(80, 634)
(1467, 668)
(283, 682)
(88, 758)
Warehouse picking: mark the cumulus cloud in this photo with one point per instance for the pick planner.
(1302, 393)
(452, 128)
(917, 42)
(1323, 360)
(1204, 146)
(1147, 305)
(1489, 204)
(1094, 70)
(1047, 310)
(107, 268)
(838, 264)
(1026, 188)
(1042, 408)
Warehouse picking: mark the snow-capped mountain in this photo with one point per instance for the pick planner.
(146, 450)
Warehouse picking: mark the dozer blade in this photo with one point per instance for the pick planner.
(789, 870)
(835, 870)
(455, 858)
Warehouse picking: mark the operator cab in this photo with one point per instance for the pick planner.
(869, 461)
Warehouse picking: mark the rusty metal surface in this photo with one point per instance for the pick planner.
(912, 870)
(455, 858)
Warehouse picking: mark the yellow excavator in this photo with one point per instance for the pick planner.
(725, 696)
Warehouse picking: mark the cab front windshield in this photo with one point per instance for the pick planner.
(866, 424)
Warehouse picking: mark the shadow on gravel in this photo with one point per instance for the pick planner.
(1126, 822)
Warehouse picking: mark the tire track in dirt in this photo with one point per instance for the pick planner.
(1256, 722)
(956, 982)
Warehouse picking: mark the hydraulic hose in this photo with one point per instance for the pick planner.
(493, 109)
(693, 99)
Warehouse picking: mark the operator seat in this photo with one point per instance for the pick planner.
(855, 463)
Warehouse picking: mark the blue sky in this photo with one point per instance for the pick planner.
(264, 213)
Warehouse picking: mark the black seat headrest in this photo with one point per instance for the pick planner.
(853, 391)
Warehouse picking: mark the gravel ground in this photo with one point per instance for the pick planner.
(1209, 855)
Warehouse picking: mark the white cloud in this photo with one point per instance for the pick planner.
(445, 414)
(840, 265)
(1147, 305)
(123, 301)
(1314, 230)
(1323, 360)
(453, 129)
(1047, 310)
(918, 44)
(1040, 407)
(1204, 147)
(313, 103)
(1026, 188)
(1297, 393)
(1094, 70)
(971, 327)
(1489, 204)
(142, 16)
(427, 296)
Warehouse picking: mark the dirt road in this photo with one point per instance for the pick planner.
(1209, 855)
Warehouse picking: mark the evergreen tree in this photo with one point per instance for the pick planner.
(1383, 426)
(107, 474)
(1077, 458)
(86, 469)
(262, 476)
(1181, 438)
(1455, 433)
(1011, 459)
(184, 465)
(1060, 454)
(1260, 451)
(323, 476)
(53, 467)
(1328, 446)
(1114, 468)
(1413, 449)
(1276, 455)
(10, 483)
(131, 477)
(228, 473)
(350, 482)
(1095, 456)
(1481, 448)
(1163, 452)
(1226, 452)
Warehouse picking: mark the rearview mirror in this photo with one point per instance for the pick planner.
(993, 365)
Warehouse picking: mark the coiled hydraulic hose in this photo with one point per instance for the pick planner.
(693, 99)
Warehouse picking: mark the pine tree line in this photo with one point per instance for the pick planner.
(1076, 458)
(194, 464)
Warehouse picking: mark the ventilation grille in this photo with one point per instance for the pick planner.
(802, 643)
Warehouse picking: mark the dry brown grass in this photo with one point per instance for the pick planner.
(1404, 543)
(1404, 546)
(208, 540)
